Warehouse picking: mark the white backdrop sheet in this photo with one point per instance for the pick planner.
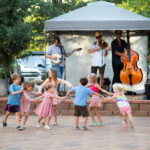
(79, 64)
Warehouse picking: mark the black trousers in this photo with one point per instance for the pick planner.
(116, 69)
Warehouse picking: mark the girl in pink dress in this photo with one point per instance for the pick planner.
(95, 101)
(26, 100)
(45, 108)
(52, 78)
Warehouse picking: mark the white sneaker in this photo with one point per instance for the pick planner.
(47, 127)
(38, 125)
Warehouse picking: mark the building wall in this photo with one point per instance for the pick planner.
(79, 64)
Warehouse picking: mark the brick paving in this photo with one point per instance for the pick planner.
(112, 136)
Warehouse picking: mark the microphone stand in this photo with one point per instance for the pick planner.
(64, 60)
(64, 74)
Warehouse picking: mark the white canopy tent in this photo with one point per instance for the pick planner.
(76, 29)
(98, 16)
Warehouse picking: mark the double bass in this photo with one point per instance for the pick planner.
(130, 74)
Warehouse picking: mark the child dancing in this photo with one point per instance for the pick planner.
(26, 100)
(81, 95)
(52, 78)
(122, 103)
(13, 101)
(45, 108)
(95, 102)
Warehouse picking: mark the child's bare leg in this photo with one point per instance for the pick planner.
(40, 118)
(6, 116)
(38, 125)
(76, 121)
(91, 114)
(55, 114)
(98, 115)
(125, 120)
(85, 121)
(44, 119)
(44, 122)
(25, 118)
(131, 120)
(21, 115)
(17, 118)
(48, 120)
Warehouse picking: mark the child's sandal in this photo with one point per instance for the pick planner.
(100, 124)
(84, 128)
(92, 123)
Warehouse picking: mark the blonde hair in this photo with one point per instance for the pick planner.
(15, 76)
(48, 86)
(118, 87)
(26, 85)
(92, 76)
(54, 77)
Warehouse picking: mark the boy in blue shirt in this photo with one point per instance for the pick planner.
(81, 96)
(13, 101)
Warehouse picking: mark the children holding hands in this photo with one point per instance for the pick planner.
(45, 108)
(95, 102)
(81, 95)
(21, 103)
(122, 103)
(26, 100)
(13, 104)
(55, 81)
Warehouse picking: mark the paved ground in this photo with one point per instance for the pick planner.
(113, 136)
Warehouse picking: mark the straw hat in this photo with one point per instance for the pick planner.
(97, 34)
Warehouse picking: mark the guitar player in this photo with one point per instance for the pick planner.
(57, 48)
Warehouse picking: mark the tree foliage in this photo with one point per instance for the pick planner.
(44, 10)
(15, 32)
(141, 7)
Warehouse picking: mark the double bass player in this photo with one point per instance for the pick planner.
(118, 46)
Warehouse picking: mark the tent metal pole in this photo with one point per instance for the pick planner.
(45, 47)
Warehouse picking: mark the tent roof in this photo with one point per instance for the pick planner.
(98, 16)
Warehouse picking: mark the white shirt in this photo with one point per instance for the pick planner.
(98, 58)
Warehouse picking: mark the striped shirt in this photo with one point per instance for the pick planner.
(121, 100)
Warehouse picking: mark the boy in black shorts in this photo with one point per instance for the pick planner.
(81, 96)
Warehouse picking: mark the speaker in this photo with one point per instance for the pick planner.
(147, 91)
(106, 85)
